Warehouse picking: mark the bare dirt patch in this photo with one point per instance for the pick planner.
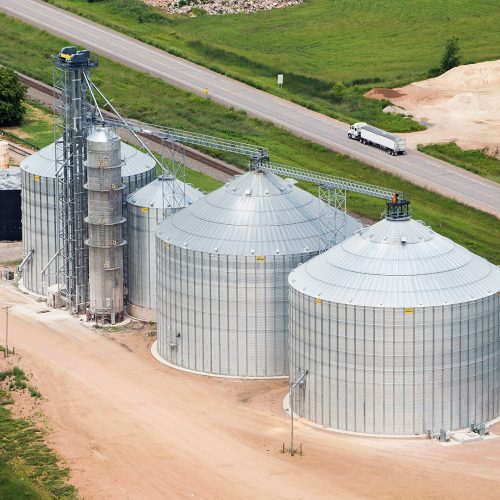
(381, 93)
(24, 404)
(11, 252)
(461, 105)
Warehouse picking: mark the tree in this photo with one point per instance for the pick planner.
(451, 56)
(12, 94)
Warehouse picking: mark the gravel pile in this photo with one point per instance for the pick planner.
(217, 7)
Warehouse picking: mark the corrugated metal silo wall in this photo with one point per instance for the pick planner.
(142, 223)
(39, 230)
(39, 225)
(105, 226)
(10, 214)
(396, 371)
(132, 183)
(224, 315)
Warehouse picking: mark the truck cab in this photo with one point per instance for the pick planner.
(355, 130)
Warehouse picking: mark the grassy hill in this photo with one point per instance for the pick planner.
(330, 51)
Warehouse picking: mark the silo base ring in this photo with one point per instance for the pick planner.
(157, 356)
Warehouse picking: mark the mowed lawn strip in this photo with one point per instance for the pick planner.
(143, 97)
(330, 52)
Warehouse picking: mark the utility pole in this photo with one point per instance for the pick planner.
(6, 351)
(293, 386)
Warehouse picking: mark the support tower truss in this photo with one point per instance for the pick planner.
(332, 221)
(333, 192)
(173, 166)
(72, 121)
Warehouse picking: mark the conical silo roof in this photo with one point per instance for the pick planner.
(255, 213)
(43, 163)
(397, 263)
(165, 192)
(103, 135)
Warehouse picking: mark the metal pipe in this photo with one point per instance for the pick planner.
(126, 124)
(292, 388)
(28, 257)
(50, 262)
(6, 351)
(89, 84)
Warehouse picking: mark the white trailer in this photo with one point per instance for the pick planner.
(374, 136)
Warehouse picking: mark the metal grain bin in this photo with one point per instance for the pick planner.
(39, 210)
(105, 223)
(146, 208)
(10, 204)
(222, 268)
(399, 330)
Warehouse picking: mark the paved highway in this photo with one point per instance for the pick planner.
(415, 167)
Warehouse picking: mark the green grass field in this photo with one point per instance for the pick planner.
(14, 485)
(475, 160)
(37, 128)
(201, 181)
(28, 468)
(330, 51)
(138, 95)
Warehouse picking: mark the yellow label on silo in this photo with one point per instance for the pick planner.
(318, 301)
(167, 246)
(260, 258)
(145, 209)
(409, 310)
(37, 178)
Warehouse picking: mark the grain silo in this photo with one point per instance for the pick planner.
(10, 204)
(105, 225)
(146, 208)
(222, 268)
(398, 329)
(39, 209)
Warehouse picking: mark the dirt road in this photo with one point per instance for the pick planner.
(132, 428)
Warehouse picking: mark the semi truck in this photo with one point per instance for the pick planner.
(374, 136)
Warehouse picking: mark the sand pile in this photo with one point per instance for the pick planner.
(463, 105)
(467, 101)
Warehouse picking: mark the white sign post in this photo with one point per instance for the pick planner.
(280, 81)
